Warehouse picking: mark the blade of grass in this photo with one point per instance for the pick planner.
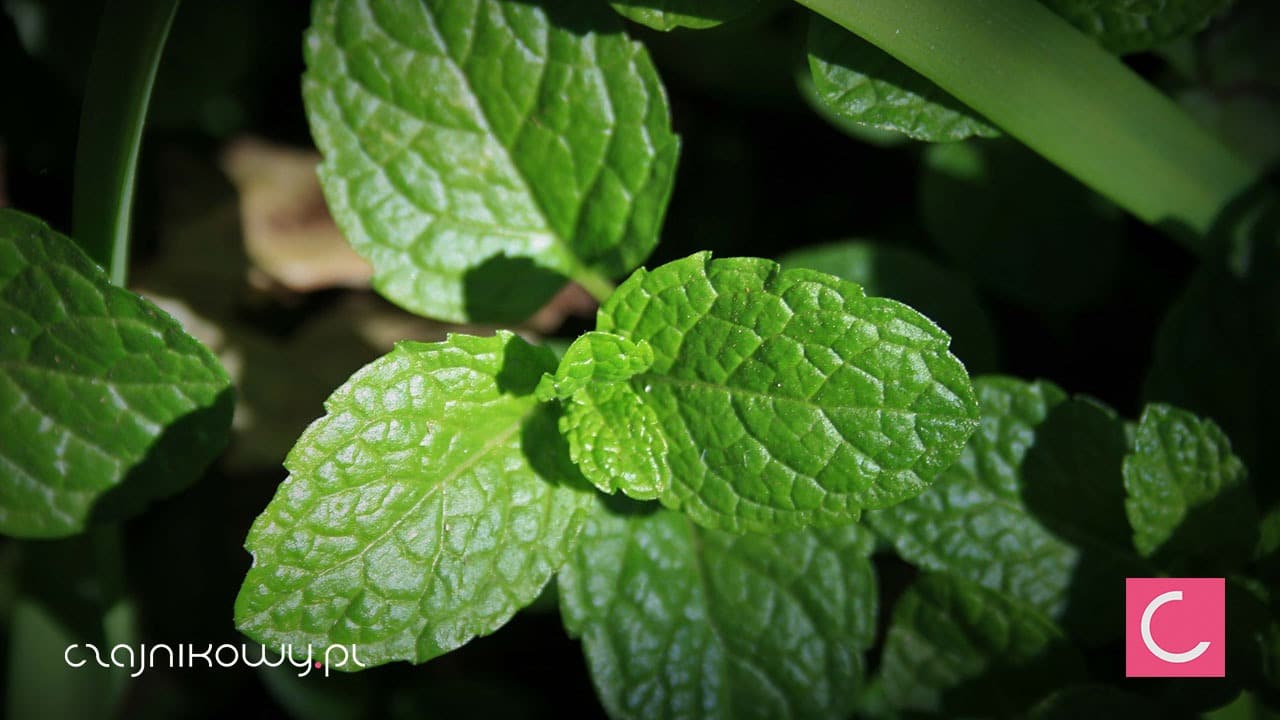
(131, 37)
(1065, 97)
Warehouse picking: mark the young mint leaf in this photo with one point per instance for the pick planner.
(1188, 495)
(1128, 26)
(862, 83)
(108, 404)
(904, 275)
(973, 522)
(479, 152)
(614, 437)
(681, 622)
(786, 398)
(981, 200)
(667, 15)
(421, 511)
(961, 649)
(593, 359)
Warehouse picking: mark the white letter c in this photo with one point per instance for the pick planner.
(1153, 646)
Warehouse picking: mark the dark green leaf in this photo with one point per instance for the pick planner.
(1097, 701)
(1127, 26)
(958, 648)
(1020, 226)
(421, 511)
(693, 14)
(863, 83)
(478, 152)
(107, 403)
(1214, 354)
(681, 622)
(1188, 495)
(972, 522)
(785, 398)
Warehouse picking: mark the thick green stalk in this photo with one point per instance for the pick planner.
(1060, 93)
(131, 37)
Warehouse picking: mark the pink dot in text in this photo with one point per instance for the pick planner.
(317, 666)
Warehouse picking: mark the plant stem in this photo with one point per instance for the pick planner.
(131, 37)
(599, 286)
(1064, 96)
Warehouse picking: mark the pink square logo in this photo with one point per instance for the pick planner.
(1175, 627)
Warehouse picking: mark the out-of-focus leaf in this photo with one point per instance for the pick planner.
(960, 649)
(1020, 226)
(1126, 26)
(862, 83)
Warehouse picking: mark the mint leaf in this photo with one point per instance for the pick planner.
(108, 403)
(420, 511)
(667, 15)
(1074, 474)
(862, 83)
(1128, 26)
(981, 200)
(786, 398)
(1073, 486)
(1214, 354)
(681, 622)
(909, 277)
(958, 648)
(973, 522)
(614, 437)
(1188, 495)
(478, 153)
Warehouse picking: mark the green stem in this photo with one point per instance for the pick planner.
(1064, 96)
(131, 37)
(593, 282)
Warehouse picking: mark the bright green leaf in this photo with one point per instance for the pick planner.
(1188, 495)
(787, 398)
(105, 403)
(904, 275)
(961, 649)
(423, 510)
(1126, 26)
(973, 522)
(681, 622)
(693, 14)
(596, 358)
(478, 152)
(614, 437)
(863, 83)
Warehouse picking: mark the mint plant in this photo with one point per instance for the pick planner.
(808, 487)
